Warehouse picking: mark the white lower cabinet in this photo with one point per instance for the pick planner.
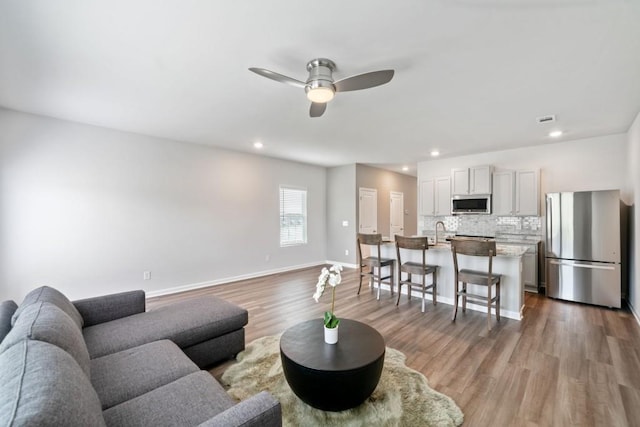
(530, 271)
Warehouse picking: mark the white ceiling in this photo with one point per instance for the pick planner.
(471, 75)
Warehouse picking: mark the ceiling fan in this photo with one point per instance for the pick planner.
(320, 86)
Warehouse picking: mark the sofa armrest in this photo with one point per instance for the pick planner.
(110, 307)
(260, 410)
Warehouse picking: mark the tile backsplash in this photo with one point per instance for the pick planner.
(483, 225)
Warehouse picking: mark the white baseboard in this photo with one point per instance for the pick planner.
(475, 307)
(344, 264)
(634, 312)
(222, 281)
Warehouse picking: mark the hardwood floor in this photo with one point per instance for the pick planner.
(563, 364)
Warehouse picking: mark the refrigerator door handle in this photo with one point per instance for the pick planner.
(595, 267)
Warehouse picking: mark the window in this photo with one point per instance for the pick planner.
(293, 216)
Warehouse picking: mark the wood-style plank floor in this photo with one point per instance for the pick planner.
(564, 364)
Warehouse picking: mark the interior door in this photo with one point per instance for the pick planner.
(396, 216)
(368, 208)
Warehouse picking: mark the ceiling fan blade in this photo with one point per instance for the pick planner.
(364, 81)
(277, 77)
(317, 109)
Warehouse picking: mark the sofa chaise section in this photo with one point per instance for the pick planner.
(48, 375)
(207, 329)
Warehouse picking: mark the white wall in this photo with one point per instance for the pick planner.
(581, 165)
(87, 210)
(634, 218)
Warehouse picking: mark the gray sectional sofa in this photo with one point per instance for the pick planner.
(107, 361)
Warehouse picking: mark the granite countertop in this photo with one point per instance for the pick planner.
(519, 240)
(510, 250)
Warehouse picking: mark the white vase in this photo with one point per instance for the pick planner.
(331, 335)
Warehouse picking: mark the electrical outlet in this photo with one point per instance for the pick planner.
(267, 257)
(346, 251)
(146, 275)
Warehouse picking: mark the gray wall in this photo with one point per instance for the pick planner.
(341, 206)
(88, 209)
(634, 215)
(385, 182)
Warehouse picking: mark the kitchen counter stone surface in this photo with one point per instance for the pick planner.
(510, 250)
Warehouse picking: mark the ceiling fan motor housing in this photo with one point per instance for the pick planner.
(320, 74)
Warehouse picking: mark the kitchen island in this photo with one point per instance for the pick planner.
(507, 262)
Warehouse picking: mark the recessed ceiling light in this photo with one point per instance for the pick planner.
(435, 153)
(555, 134)
(258, 145)
(405, 168)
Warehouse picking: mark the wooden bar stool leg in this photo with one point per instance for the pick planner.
(400, 287)
(393, 277)
(371, 277)
(489, 307)
(409, 279)
(455, 299)
(424, 280)
(379, 281)
(464, 297)
(498, 301)
(434, 279)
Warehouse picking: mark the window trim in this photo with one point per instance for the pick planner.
(305, 217)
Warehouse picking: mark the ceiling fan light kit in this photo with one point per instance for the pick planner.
(320, 91)
(320, 86)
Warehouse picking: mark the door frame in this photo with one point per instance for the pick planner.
(391, 194)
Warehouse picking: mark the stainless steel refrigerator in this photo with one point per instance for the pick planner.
(583, 247)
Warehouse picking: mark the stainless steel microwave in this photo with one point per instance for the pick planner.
(471, 205)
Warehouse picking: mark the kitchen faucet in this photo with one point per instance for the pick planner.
(443, 229)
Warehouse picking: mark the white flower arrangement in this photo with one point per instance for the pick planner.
(332, 277)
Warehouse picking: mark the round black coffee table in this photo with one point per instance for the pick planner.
(332, 377)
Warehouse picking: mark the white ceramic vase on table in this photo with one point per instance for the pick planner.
(331, 335)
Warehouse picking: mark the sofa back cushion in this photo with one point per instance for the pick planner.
(7, 308)
(44, 321)
(42, 385)
(53, 296)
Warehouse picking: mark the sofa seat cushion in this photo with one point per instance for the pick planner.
(53, 296)
(188, 401)
(185, 323)
(42, 385)
(7, 308)
(121, 376)
(44, 321)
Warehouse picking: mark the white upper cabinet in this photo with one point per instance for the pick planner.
(503, 193)
(476, 180)
(527, 193)
(427, 196)
(435, 196)
(516, 193)
(459, 181)
(443, 196)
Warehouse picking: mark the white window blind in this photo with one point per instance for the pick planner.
(293, 216)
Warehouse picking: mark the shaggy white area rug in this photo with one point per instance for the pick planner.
(403, 396)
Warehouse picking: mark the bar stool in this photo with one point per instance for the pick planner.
(476, 248)
(369, 264)
(420, 268)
